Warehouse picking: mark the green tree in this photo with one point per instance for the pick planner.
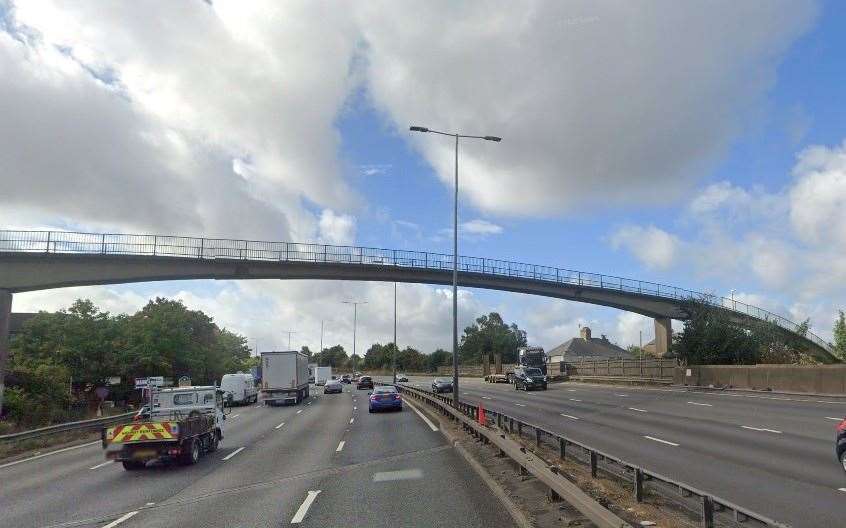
(840, 336)
(438, 358)
(491, 335)
(335, 357)
(305, 350)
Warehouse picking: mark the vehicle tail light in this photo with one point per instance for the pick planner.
(842, 426)
(374, 398)
(397, 397)
(174, 451)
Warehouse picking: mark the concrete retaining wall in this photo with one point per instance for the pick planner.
(823, 379)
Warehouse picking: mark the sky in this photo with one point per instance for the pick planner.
(695, 144)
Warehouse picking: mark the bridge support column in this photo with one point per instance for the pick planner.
(663, 335)
(5, 315)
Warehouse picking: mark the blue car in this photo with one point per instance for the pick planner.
(385, 398)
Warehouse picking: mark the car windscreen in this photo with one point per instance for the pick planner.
(383, 390)
(533, 372)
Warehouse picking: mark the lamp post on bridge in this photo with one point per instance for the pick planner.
(455, 253)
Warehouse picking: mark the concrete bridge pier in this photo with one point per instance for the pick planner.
(5, 315)
(663, 335)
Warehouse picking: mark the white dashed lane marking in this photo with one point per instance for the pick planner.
(121, 519)
(762, 429)
(570, 416)
(638, 410)
(303, 509)
(661, 441)
(701, 404)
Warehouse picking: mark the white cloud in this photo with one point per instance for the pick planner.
(138, 128)
(818, 197)
(631, 327)
(572, 101)
(336, 229)
(480, 227)
(654, 247)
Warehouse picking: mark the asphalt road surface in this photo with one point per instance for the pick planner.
(330, 464)
(773, 453)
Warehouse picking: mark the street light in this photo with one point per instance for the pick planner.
(289, 336)
(396, 347)
(355, 317)
(455, 254)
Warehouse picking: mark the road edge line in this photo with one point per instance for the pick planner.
(42, 455)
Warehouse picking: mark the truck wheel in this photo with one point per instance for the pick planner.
(214, 443)
(192, 454)
(131, 465)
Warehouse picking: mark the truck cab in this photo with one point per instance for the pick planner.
(181, 425)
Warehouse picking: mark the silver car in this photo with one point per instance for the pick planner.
(333, 386)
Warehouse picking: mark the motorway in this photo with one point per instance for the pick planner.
(773, 454)
(325, 462)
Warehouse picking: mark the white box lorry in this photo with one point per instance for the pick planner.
(322, 375)
(284, 377)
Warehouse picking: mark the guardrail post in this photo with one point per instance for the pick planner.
(638, 484)
(103, 243)
(538, 434)
(593, 464)
(519, 428)
(562, 448)
(202, 252)
(499, 420)
(48, 241)
(707, 512)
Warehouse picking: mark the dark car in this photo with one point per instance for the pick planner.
(346, 378)
(333, 386)
(840, 443)
(442, 385)
(529, 378)
(402, 378)
(385, 398)
(364, 382)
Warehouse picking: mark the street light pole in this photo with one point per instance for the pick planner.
(355, 317)
(289, 337)
(455, 253)
(396, 347)
(321, 336)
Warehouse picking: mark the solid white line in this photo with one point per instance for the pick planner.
(571, 390)
(519, 405)
(340, 446)
(303, 510)
(701, 404)
(432, 426)
(833, 418)
(279, 426)
(234, 416)
(486, 397)
(574, 399)
(638, 410)
(841, 489)
(622, 395)
(298, 412)
(106, 463)
(121, 519)
(233, 453)
(7, 464)
(662, 441)
(570, 416)
(763, 429)
(352, 420)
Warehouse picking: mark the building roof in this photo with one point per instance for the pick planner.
(591, 347)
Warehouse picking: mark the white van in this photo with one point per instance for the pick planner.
(239, 388)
